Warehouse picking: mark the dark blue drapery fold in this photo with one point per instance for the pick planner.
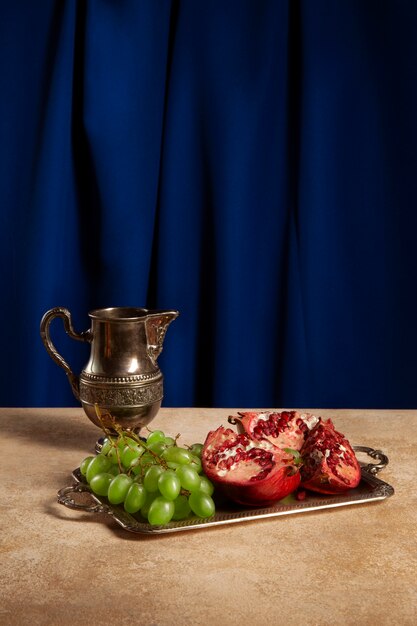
(250, 163)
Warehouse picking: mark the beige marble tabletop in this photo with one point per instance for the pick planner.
(353, 565)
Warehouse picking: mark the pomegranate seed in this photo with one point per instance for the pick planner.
(301, 495)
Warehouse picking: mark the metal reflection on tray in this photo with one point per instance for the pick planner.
(370, 489)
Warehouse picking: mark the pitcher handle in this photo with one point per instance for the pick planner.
(50, 348)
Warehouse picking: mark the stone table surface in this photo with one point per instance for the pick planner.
(353, 565)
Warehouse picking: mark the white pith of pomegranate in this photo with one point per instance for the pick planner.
(285, 429)
(246, 471)
(330, 465)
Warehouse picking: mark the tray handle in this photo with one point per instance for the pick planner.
(373, 468)
(64, 497)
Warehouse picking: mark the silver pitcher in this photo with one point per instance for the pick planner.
(122, 377)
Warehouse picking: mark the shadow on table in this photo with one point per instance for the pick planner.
(101, 519)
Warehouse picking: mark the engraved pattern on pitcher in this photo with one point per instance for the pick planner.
(121, 397)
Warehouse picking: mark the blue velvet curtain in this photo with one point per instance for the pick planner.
(251, 163)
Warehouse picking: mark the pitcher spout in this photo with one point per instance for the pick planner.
(156, 326)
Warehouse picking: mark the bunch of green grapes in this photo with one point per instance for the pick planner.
(156, 478)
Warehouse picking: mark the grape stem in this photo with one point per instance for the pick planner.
(120, 432)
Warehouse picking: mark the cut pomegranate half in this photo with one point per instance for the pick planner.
(246, 471)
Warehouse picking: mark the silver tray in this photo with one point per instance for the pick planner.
(370, 489)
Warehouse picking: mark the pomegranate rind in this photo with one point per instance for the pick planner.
(285, 429)
(330, 464)
(238, 480)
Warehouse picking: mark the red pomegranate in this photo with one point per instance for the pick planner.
(287, 429)
(329, 463)
(246, 471)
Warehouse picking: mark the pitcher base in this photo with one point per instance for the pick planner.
(127, 417)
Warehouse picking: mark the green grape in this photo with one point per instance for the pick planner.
(201, 504)
(129, 441)
(195, 463)
(169, 485)
(206, 485)
(188, 477)
(122, 443)
(169, 441)
(100, 483)
(130, 454)
(135, 498)
(118, 488)
(114, 470)
(196, 449)
(151, 478)
(148, 459)
(156, 435)
(182, 508)
(99, 464)
(106, 446)
(177, 455)
(114, 455)
(173, 465)
(160, 511)
(158, 447)
(137, 470)
(85, 463)
(149, 498)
